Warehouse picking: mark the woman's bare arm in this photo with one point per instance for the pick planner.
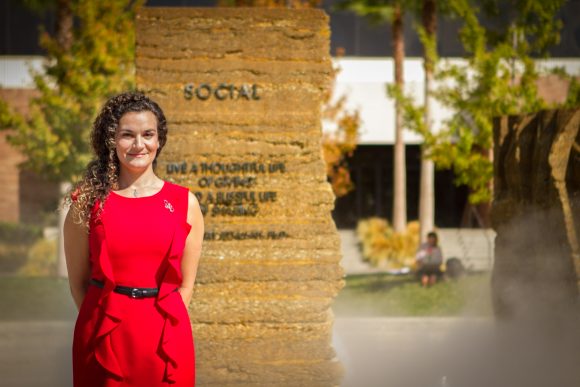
(192, 250)
(76, 250)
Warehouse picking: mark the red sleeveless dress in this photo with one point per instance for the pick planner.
(124, 341)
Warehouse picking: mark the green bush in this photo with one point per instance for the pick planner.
(16, 239)
(19, 233)
(42, 258)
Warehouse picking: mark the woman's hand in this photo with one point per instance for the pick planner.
(185, 294)
(192, 250)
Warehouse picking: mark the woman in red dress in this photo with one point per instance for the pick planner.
(132, 245)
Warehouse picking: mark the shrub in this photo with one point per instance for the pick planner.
(19, 233)
(381, 245)
(15, 241)
(42, 258)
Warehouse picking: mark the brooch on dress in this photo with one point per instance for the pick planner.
(168, 206)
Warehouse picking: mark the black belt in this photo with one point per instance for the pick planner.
(129, 291)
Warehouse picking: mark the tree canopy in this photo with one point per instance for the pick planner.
(97, 62)
(498, 78)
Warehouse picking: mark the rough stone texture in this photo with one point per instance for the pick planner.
(261, 309)
(536, 213)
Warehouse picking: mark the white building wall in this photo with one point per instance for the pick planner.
(15, 71)
(363, 80)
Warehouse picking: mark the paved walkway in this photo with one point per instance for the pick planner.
(381, 352)
(35, 354)
(456, 352)
(406, 352)
(371, 349)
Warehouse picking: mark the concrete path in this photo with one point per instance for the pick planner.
(36, 354)
(381, 352)
(455, 352)
(402, 351)
(371, 349)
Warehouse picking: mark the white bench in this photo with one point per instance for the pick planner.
(473, 246)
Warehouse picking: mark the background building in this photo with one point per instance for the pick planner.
(366, 69)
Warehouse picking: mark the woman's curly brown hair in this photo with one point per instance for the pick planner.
(102, 173)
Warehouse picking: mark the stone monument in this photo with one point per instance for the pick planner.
(242, 90)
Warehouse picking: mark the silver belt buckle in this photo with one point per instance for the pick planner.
(136, 293)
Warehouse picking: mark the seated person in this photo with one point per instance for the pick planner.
(429, 259)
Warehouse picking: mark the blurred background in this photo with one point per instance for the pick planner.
(407, 137)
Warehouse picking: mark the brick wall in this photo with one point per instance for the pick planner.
(24, 196)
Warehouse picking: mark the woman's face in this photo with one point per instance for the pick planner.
(137, 140)
(432, 241)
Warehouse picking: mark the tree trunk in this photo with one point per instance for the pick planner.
(427, 192)
(64, 24)
(535, 215)
(399, 169)
(64, 37)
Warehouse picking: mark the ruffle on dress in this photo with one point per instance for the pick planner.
(170, 302)
(112, 305)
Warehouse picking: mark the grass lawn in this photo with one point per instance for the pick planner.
(44, 298)
(373, 295)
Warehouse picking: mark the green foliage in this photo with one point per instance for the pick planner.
(99, 63)
(19, 232)
(377, 11)
(534, 19)
(429, 46)
(573, 99)
(42, 258)
(16, 240)
(498, 79)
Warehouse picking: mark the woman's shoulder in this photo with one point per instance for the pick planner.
(180, 190)
(184, 198)
(176, 187)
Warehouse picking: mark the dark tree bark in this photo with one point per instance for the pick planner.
(536, 214)
(64, 24)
